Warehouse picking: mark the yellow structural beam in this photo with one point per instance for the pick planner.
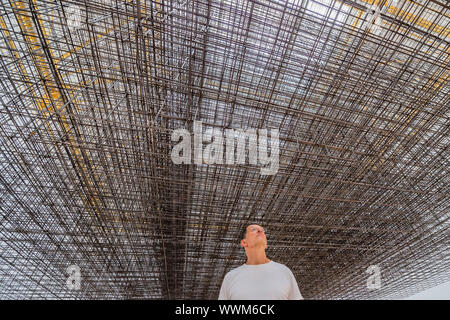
(411, 18)
(52, 96)
(419, 22)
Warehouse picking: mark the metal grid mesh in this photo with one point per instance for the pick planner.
(91, 91)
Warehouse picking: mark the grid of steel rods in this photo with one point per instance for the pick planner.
(92, 90)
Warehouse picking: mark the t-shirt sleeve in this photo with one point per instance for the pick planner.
(294, 292)
(224, 294)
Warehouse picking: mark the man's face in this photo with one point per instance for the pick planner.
(254, 237)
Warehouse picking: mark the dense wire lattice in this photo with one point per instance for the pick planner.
(91, 91)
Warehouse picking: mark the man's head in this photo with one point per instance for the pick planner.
(254, 236)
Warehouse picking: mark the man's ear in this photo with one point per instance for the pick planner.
(243, 243)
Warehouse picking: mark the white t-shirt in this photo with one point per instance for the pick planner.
(268, 281)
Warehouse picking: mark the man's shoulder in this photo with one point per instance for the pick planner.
(234, 271)
(237, 269)
(281, 266)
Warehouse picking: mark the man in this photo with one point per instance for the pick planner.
(259, 278)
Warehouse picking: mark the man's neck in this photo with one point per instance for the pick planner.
(256, 257)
